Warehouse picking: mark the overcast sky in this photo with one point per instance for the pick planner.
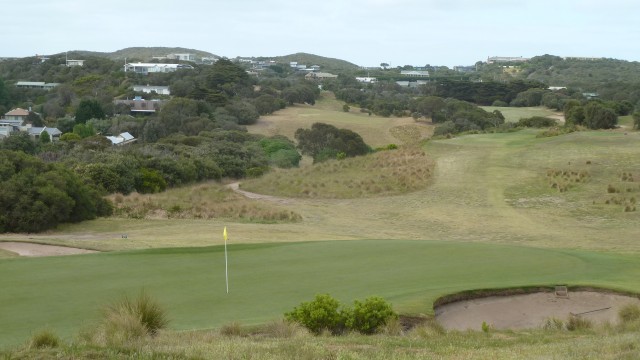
(364, 32)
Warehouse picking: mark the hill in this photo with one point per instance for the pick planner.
(610, 78)
(142, 53)
(328, 64)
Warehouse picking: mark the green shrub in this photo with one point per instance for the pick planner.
(369, 316)
(536, 122)
(318, 315)
(44, 338)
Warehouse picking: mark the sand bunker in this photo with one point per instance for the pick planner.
(531, 310)
(31, 249)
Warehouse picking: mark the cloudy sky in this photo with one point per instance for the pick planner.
(365, 32)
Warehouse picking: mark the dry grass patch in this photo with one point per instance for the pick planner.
(382, 173)
(202, 201)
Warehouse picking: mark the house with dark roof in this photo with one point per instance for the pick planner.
(36, 85)
(36, 132)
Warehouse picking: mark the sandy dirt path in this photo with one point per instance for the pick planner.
(34, 250)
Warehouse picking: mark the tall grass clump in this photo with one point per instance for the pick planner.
(577, 323)
(44, 338)
(129, 320)
(629, 315)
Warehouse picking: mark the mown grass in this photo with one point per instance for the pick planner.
(204, 201)
(267, 280)
(382, 173)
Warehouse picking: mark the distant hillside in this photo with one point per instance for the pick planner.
(142, 53)
(585, 74)
(327, 64)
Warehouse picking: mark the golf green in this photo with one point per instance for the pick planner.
(65, 293)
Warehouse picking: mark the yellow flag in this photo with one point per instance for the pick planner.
(224, 234)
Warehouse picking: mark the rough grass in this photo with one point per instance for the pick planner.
(513, 114)
(423, 342)
(44, 338)
(128, 320)
(5, 254)
(375, 130)
(204, 201)
(382, 173)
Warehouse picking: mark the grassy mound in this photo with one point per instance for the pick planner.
(204, 201)
(379, 174)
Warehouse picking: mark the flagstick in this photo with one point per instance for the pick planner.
(226, 266)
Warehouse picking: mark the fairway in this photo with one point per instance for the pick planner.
(266, 280)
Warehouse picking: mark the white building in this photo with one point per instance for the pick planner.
(145, 68)
(36, 85)
(182, 57)
(71, 63)
(368, 80)
(414, 73)
(148, 89)
(122, 139)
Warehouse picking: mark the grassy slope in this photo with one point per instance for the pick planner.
(486, 188)
(267, 280)
(513, 114)
(376, 131)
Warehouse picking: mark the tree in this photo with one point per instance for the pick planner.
(19, 142)
(384, 65)
(597, 116)
(45, 138)
(35, 119)
(636, 120)
(324, 141)
(89, 109)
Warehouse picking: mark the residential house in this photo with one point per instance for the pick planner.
(141, 106)
(145, 68)
(209, 60)
(499, 59)
(315, 67)
(36, 132)
(412, 84)
(414, 73)
(160, 90)
(122, 139)
(464, 68)
(182, 57)
(71, 63)
(368, 80)
(319, 76)
(36, 85)
(9, 126)
(14, 122)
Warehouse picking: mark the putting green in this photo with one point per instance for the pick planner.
(266, 280)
